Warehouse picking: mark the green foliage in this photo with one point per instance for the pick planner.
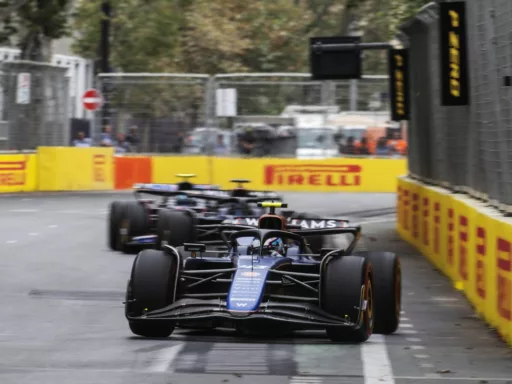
(33, 25)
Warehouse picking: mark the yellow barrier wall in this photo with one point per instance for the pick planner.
(468, 242)
(18, 173)
(165, 168)
(331, 175)
(75, 169)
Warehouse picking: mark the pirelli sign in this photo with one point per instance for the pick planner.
(453, 55)
(399, 84)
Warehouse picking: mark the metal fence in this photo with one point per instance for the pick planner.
(163, 105)
(465, 148)
(34, 105)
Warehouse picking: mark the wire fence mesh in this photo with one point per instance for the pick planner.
(163, 107)
(34, 105)
(465, 148)
(173, 111)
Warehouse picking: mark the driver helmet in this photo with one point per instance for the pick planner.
(276, 244)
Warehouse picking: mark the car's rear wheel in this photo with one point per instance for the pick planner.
(114, 220)
(174, 228)
(347, 292)
(152, 285)
(134, 221)
(387, 277)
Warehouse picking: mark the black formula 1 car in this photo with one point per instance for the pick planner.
(144, 223)
(266, 278)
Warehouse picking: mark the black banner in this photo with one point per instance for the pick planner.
(399, 84)
(454, 60)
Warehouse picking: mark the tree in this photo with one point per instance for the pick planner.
(144, 34)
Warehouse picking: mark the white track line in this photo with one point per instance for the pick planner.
(376, 364)
(165, 358)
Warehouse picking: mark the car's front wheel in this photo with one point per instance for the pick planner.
(152, 285)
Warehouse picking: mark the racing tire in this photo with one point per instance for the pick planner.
(387, 278)
(152, 285)
(114, 220)
(315, 243)
(134, 221)
(346, 283)
(175, 228)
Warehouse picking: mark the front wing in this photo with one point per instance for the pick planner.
(193, 310)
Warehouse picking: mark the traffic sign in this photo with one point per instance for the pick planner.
(92, 99)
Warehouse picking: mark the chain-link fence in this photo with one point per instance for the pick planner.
(163, 107)
(465, 148)
(34, 105)
(175, 110)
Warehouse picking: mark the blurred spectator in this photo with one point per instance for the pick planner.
(349, 148)
(364, 149)
(106, 137)
(133, 139)
(179, 142)
(221, 147)
(247, 141)
(122, 146)
(81, 140)
(382, 148)
(397, 145)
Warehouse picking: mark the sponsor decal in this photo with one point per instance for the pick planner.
(251, 274)
(243, 305)
(451, 236)
(13, 173)
(399, 89)
(426, 214)
(437, 227)
(252, 266)
(463, 246)
(453, 55)
(415, 219)
(99, 171)
(405, 214)
(346, 175)
(504, 285)
(305, 224)
(480, 261)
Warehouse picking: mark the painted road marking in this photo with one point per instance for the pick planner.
(421, 356)
(24, 210)
(165, 358)
(417, 347)
(406, 326)
(11, 241)
(376, 363)
(407, 331)
(413, 339)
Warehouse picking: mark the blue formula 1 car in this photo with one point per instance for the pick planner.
(266, 277)
(144, 223)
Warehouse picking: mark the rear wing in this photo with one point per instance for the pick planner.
(296, 225)
(173, 189)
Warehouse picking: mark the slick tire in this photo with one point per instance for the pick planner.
(345, 284)
(316, 243)
(387, 276)
(175, 228)
(134, 221)
(114, 220)
(152, 285)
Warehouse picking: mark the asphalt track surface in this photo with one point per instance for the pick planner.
(62, 320)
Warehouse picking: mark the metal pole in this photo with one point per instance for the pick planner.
(105, 54)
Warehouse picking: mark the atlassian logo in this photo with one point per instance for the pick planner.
(306, 224)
